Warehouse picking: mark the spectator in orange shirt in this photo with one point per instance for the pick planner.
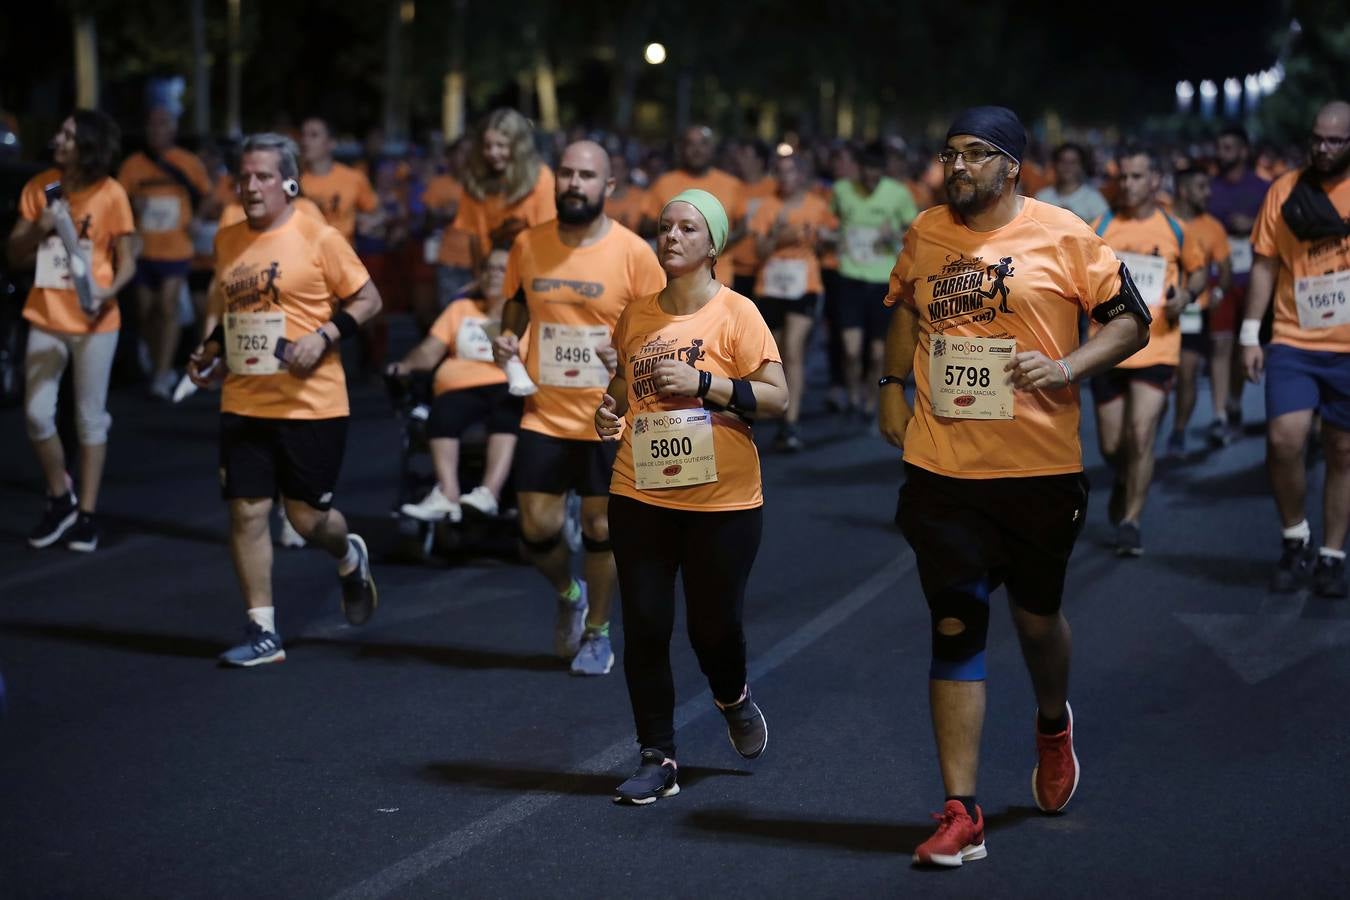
(507, 187)
(454, 252)
(61, 332)
(625, 204)
(166, 185)
(757, 184)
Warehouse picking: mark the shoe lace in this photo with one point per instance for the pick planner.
(946, 820)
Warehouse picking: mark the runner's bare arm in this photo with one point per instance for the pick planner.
(1117, 341)
(1259, 291)
(902, 340)
(422, 358)
(1225, 277)
(305, 353)
(25, 238)
(768, 384)
(612, 408)
(515, 319)
(126, 268)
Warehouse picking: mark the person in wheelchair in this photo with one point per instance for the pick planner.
(469, 388)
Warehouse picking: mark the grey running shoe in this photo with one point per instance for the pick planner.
(568, 625)
(596, 655)
(746, 728)
(656, 776)
(359, 596)
(1128, 540)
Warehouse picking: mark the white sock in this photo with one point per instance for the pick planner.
(265, 617)
(1333, 554)
(347, 565)
(1299, 532)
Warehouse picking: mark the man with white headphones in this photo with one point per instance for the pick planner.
(287, 289)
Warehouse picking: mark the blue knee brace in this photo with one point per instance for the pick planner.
(960, 657)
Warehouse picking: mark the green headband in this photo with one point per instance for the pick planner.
(711, 210)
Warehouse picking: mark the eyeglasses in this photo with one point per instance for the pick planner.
(1316, 140)
(973, 157)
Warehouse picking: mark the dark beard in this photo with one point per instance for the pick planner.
(584, 214)
(1336, 168)
(983, 197)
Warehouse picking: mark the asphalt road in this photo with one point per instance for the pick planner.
(441, 752)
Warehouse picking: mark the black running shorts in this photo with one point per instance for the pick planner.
(549, 465)
(1115, 383)
(300, 458)
(1017, 532)
(492, 404)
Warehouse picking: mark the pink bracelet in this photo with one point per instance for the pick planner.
(1068, 372)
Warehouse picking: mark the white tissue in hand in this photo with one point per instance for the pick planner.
(518, 381)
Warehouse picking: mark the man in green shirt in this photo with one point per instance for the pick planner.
(873, 211)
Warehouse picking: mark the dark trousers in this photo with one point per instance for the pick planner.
(713, 552)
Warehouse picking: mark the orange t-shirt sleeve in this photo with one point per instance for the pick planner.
(342, 269)
(901, 289)
(647, 275)
(754, 342)
(1219, 238)
(32, 201)
(1096, 270)
(121, 219)
(1193, 254)
(366, 199)
(1266, 228)
(192, 167)
(446, 325)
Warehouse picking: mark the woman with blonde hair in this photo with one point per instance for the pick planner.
(507, 187)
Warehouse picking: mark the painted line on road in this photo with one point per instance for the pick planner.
(454, 845)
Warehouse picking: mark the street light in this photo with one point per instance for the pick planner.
(655, 54)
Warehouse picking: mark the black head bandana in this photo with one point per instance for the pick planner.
(995, 125)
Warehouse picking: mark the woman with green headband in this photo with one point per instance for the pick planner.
(696, 365)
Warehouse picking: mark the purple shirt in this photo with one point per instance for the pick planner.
(1242, 198)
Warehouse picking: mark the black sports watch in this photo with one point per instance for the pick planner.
(890, 379)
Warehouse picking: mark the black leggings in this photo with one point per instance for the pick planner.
(714, 551)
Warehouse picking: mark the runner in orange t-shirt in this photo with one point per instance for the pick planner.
(788, 230)
(166, 185)
(469, 388)
(507, 187)
(454, 256)
(696, 365)
(60, 332)
(1169, 270)
(568, 280)
(697, 171)
(754, 167)
(1192, 190)
(339, 190)
(625, 205)
(989, 289)
(289, 288)
(1302, 245)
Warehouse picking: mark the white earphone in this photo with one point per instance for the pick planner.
(291, 187)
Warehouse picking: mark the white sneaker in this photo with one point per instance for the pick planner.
(162, 385)
(481, 499)
(433, 508)
(288, 537)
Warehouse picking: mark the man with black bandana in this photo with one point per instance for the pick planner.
(1302, 246)
(994, 491)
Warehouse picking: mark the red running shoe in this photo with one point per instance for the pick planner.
(958, 838)
(1055, 777)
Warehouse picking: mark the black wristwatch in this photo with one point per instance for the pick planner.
(891, 379)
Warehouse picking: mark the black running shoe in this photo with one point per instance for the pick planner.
(359, 596)
(83, 535)
(60, 514)
(746, 727)
(1329, 578)
(656, 777)
(1129, 542)
(1295, 567)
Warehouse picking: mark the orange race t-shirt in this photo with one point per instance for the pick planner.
(233, 213)
(728, 190)
(794, 269)
(340, 193)
(482, 217)
(466, 330)
(744, 255)
(1327, 262)
(1157, 263)
(102, 214)
(1210, 236)
(627, 210)
(728, 338)
(1053, 267)
(163, 206)
(575, 296)
(456, 245)
(302, 268)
